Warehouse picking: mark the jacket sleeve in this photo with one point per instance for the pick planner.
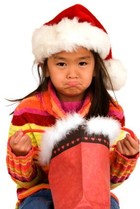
(24, 170)
(121, 167)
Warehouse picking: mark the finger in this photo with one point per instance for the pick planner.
(122, 148)
(24, 140)
(16, 137)
(119, 147)
(132, 142)
(128, 149)
(23, 146)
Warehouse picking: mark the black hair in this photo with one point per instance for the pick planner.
(100, 97)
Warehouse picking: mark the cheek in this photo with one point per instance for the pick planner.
(88, 79)
(57, 79)
(56, 76)
(88, 76)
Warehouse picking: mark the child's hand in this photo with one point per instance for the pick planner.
(128, 146)
(20, 143)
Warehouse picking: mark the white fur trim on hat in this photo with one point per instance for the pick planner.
(77, 27)
(117, 74)
(67, 35)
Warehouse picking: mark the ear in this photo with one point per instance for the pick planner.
(46, 69)
(47, 72)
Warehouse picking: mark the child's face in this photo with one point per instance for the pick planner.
(71, 73)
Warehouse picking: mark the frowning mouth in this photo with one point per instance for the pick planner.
(72, 84)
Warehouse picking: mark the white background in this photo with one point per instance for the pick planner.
(18, 19)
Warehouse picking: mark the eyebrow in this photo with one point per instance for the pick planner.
(63, 58)
(85, 57)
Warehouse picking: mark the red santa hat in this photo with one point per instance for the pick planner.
(77, 27)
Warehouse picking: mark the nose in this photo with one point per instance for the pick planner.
(72, 72)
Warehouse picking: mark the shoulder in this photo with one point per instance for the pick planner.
(29, 102)
(116, 106)
(35, 102)
(116, 111)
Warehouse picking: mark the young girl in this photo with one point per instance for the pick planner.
(76, 69)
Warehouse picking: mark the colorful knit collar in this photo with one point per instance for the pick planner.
(53, 105)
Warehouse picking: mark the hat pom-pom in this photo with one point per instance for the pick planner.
(117, 74)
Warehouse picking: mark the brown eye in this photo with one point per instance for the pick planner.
(61, 64)
(82, 63)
